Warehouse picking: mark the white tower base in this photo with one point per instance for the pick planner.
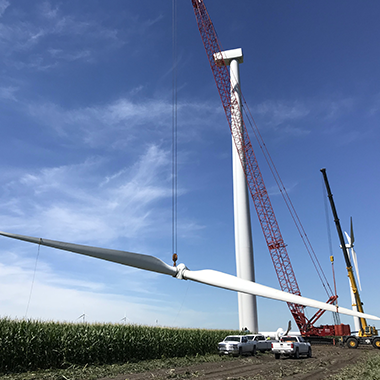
(243, 233)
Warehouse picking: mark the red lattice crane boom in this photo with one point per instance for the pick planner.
(255, 182)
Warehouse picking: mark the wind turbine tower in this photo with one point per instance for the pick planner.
(242, 218)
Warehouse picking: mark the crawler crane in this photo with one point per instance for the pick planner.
(367, 334)
(255, 182)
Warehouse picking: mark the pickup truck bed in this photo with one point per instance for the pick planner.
(291, 346)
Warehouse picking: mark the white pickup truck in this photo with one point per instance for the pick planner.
(262, 344)
(291, 346)
(237, 345)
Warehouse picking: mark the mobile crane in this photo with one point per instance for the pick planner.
(255, 182)
(367, 334)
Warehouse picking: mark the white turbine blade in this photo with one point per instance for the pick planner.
(355, 261)
(289, 327)
(352, 232)
(209, 277)
(348, 239)
(227, 281)
(136, 260)
(279, 333)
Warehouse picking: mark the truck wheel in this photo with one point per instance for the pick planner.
(297, 354)
(309, 353)
(352, 342)
(376, 343)
(254, 351)
(277, 356)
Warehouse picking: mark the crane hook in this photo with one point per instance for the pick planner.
(175, 258)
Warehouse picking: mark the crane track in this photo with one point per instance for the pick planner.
(326, 361)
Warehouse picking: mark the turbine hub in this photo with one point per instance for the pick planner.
(180, 269)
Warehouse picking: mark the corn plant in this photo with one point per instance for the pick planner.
(30, 345)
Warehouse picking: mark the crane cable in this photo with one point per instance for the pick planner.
(33, 279)
(285, 195)
(175, 151)
(174, 134)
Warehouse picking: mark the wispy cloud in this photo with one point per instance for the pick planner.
(4, 4)
(61, 54)
(47, 36)
(8, 93)
(114, 125)
(69, 298)
(118, 124)
(99, 198)
(298, 118)
(57, 298)
(77, 202)
(337, 107)
(279, 112)
(47, 10)
(375, 106)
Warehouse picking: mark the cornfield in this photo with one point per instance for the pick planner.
(29, 345)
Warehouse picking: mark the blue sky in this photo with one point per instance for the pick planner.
(85, 118)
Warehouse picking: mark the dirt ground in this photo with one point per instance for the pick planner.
(325, 361)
